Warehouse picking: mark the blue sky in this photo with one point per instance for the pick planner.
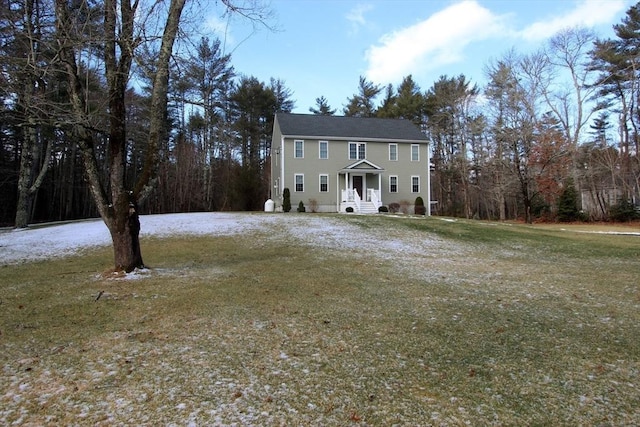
(321, 47)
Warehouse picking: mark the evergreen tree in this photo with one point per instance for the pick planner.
(253, 108)
(361, 104)
(410, 103)
(322, 107)
(418, 206)
(207, 74)
(568, 203)
(286, 200)
(283, 96)
(618, 62)
(388, 107)
(446, 107)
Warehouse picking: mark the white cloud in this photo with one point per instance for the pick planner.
(220, 27)
(436, 41)
(586, 13)
(356, 16)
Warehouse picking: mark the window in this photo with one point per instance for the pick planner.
(415, 153)
(324, 149)
(299, 182)
(357, 150)
(393, 184)
(324, 183)
(393, 152)
(415, 184)
(299, 151)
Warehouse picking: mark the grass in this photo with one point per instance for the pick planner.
(460, 323)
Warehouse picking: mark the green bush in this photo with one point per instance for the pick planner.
(623, 211)
(286, 200)
(301, 207)
(568, 203)
(418, 207)
(383, 209)
(349, 209)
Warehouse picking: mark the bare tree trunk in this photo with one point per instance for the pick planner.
(30, 178)
(69, 173)
(30, 160)
(502, 205)
(118, 209)
(23, 208)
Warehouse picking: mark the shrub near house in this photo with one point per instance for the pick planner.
(419, 208)
(286, 200)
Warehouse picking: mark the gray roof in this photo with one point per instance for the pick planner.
(312, 125)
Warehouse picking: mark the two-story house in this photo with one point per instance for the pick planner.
(337, 162)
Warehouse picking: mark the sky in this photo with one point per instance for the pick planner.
(322, 47)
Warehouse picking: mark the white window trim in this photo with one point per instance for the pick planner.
(320, 183)
(295, 148)
(357, 144)
(395, 145)
(349, 150)
(396, 177)
(295, 182)
(418, 177)
(417, 151)
(320, 150)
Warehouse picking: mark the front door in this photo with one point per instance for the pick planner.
(358, 185)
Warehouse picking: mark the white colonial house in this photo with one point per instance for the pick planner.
(336, 162)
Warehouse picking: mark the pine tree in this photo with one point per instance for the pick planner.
(568, 203)
(286, 200)
(361, 104)
(419, 208)
(322, 107)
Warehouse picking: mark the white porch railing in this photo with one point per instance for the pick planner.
(374, 197)
(351, 196)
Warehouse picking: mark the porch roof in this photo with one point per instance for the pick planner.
(362, 165)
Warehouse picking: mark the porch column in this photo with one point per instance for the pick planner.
(338, 193)
(380, 187)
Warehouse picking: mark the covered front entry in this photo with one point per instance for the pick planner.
(357, 183)
(359, 187)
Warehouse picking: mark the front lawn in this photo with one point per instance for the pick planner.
(331, 320)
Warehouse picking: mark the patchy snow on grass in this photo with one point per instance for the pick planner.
(48, 241)
(449, 333)
(58, 240)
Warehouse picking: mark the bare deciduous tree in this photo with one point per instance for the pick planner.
(116, 199)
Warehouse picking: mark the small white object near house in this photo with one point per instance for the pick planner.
(269, 206)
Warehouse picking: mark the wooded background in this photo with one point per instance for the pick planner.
(552, 135)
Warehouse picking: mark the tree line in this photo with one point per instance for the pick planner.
(96, 117)
(553, 134)
(215, 129)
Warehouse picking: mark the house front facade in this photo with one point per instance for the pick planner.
(341, 164)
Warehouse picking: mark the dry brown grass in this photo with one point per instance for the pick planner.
(414, 322)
